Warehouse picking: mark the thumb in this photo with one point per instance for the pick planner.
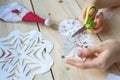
(88, 52)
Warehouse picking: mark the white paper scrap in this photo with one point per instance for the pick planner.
(111, 76)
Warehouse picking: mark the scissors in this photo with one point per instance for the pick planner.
(89, 22)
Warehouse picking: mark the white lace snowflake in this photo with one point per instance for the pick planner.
(22, 56)
(72, 44)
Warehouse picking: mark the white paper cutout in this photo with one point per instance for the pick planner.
(111, 76)
(23, 56)
(79, 42)
(69, 27)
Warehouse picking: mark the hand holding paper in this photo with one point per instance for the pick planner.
(101, 56)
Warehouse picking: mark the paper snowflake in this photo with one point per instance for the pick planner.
(22, 56)
(69, 27)
(72, 44)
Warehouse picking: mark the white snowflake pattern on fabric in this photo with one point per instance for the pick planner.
(72, 44)
(23, 56)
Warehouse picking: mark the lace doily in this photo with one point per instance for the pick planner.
(72, 44)
(23, 56)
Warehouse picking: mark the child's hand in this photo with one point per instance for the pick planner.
(101, 56)
(99, 18)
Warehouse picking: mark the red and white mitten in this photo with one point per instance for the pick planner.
(15, 12)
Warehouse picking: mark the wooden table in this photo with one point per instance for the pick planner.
(59, 10)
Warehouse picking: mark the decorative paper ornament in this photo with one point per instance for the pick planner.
(23, 56)
(72, 44)
(15, 12)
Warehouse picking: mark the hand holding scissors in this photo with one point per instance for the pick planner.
(91, 23)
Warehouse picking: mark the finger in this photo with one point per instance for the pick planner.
(74, 63)
(101, 14)
(98, 27)
(88, 51)
(92, 11)
(96, 31)
(83, 65)
(100, 20)
(99, 23)
(82, 17)
(93, 63)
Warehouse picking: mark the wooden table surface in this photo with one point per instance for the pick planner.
(59, 10)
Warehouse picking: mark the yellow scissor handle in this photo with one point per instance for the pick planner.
(90, 19)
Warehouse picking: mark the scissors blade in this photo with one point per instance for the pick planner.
(80, 30)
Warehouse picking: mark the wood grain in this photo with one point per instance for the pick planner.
(59, 10)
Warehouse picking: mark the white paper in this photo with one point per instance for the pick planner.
(111, 76)
(72, 44)
(23, 56)
(69, 27)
